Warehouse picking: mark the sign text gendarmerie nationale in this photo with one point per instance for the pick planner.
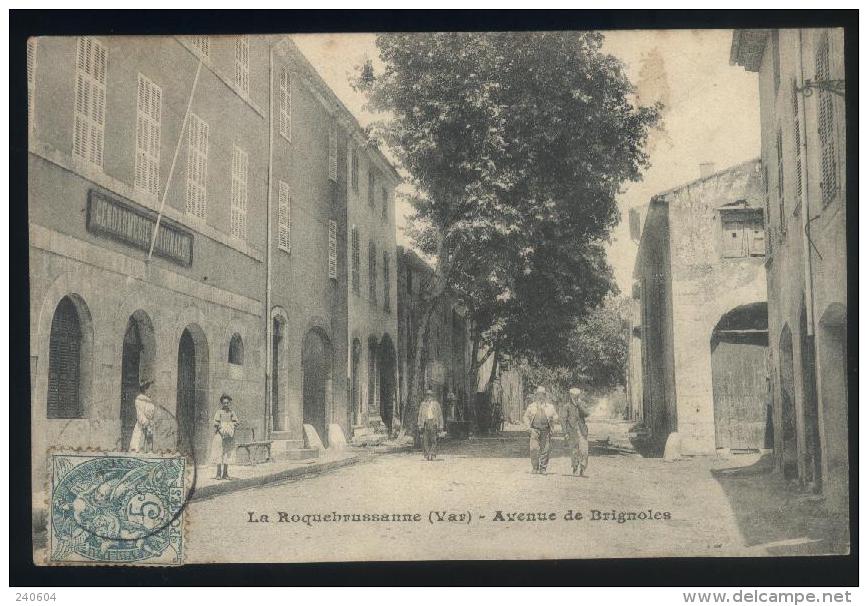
(134, 225)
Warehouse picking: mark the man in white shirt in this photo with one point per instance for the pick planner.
(430, 423)
(540, 418)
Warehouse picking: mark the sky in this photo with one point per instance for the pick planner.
(711, 109)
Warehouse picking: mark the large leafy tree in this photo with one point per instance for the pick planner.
(516, 145)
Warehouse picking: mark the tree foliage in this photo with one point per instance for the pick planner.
(516, 145)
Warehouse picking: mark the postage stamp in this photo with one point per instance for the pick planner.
(117, 508)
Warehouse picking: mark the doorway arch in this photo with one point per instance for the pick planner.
(317, 363)
(137, 365)
(386, 369)
(789, 449)
(192, 400)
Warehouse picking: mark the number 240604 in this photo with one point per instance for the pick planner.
(35, 597)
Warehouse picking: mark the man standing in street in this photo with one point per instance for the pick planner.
(576, 430)
(540, 417)
(430, 423)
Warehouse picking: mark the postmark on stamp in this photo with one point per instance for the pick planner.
(117, 508)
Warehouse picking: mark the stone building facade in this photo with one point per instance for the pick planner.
(372, 297)
(700, 287)
(802, 114)
(246, 289)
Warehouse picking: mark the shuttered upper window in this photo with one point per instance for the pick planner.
(89, 115)
(148, 116)
(284, 105)
(333, 154)
(31, 82)
(385, 197)
(826, 125)
(743, 234)
(64, 363)
(197, 166)
(242, 64)
(354, 169)
(779, 149)
(372, 272)
(284, 219)
(238, 209)
(202, 44)
(372, 181)
(356, 260)
(333, 250)
(387, 298)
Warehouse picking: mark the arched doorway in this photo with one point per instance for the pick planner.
(386, 366)
(137, 364)
(316, 359)
(193, 408)
(739, 345)
(355, 399)
(789, 449)
(69, 354)
(832, 343)
(812, 461)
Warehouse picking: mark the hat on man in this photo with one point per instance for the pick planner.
(145, 383)
(225, 397)
(575, 391)
(541, 390)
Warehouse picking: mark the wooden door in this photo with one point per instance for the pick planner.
(187, 395)
(738, 372)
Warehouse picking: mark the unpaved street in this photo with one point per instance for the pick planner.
(480, 478)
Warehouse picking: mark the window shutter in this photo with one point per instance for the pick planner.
(64, 363)
(333, 154)
(283, 216)
(826, 125)
(387, 298)
(31, 81)
(242, 64)
(197, 167)
(89, 109)
(372, 272)
(238, 209)
(355, 260)
(285, 105)
(148, 114)
(733, 238)
(757, 241)
(333, 250)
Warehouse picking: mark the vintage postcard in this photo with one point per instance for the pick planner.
(438, 296)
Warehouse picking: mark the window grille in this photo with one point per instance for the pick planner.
(31, 82)
(356, 261)
(385, 212)
(197, 167)
(242, 64)
(826, 125)
(238, 208)
(333, 250)
(285, 106)
(333, 154)
(148, 122)
(372, 180)
(284, 218)
(64, 363)
(372, 272)
(89, 115)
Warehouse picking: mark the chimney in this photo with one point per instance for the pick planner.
(706, 169)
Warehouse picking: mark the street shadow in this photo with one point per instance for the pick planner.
(777, 517)
(518, 448)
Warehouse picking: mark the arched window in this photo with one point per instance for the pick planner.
(236, 350)
(64, 363)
